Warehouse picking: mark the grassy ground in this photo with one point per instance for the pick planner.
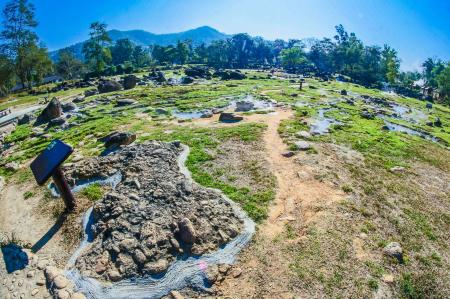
(340, 254)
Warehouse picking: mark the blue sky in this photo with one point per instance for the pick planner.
(417, 29)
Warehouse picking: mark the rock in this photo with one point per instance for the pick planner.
(125, 102)
(388, 278)
(343, 92)
(224, 268)
(130, 81)
(437, 122)
(63, 294)
(52, 111)
(212, 273)
(198, 72)
(57, 122)
(207, 114)
(109, 86)
(230, 75)
(398, 169)
(175, 295)
(303, 134)
(30, 274)
(66, 107)
(40, 282)
(243, 106)
(229, 117)
(302, 145)
(429, 106)
(50, 273)
(187, 231)
(157, 76)
(161, 111)
(394, 249)
(34, 292)
(12, 166)
(60, 282)
(141, 231)
(77, 296)
(288, 154)
(367, 115)
(156, 267)
(186, 80)
(24, 119)
(236, 272)
(87, 93)
(118, 138)
(114, 275)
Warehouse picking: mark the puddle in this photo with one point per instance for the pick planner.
(188, 272)
(399, 128)
(409, 114)
(188, 115)
(321, 124)
(251, 102)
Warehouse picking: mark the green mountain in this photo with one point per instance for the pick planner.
(204, 34)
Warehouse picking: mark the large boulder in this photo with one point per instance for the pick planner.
(130, 81)
(157, 76)
(243, 106)
(187, 231)
(118, 138)
(24, 119)
(229, 117)
(198, 72)
(230, 75)
(52, 111)
(125, 102)
(109, 86)
(186, 80)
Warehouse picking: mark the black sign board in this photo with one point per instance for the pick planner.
(49, 160)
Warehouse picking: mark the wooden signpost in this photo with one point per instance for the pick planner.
(47, 165)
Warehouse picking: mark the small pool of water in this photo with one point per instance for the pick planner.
(403, 129)
(321, 124)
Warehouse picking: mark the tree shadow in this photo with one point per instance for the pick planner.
(50, 233)
(15, 258)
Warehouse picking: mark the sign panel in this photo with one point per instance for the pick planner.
(45, 164)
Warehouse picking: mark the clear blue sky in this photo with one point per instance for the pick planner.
(417, 29)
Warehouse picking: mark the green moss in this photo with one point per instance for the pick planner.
(93, 192)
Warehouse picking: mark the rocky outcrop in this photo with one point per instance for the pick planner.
(230, 75)
(198, 72)
(118, 138)
(130, 81)
(229, 117)
(154, 214)
(52, 111)
(109, 86)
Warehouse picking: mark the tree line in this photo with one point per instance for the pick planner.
(24, 58)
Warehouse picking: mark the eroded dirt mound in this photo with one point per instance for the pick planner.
(154, 214)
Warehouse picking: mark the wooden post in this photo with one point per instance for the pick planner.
(64, 189)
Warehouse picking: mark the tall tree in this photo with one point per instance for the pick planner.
(122, 51)
(7, 76)
(68, 66)
(96, 50)
(21, 44)
(443, 83)
(293, 57)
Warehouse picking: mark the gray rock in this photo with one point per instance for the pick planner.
(398, 169)
(394, 249)
(302, 145)
(207, 114)
(109, 86)
(57, 122)
(186, 80)
(24, 119)
(161, 111)
(52, 111)
(367, 115)
(303, 134)
(66, 107)
(88, 93)
(60, 282)
(187, 231)
(229, 117)
(130, 81)
(288, 154)
(125, 102)
(118, 138)
(243, 106)
(157, 267)
(12, 166)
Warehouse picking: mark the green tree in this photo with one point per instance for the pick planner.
(182, 52)
(293, 57)
(141, 57)
(68, 66)
(443, 83)
(7, 76)
(20, 43)
(96, 50)
(390, 64)
(122, 51)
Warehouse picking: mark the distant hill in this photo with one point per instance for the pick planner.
(198, 36)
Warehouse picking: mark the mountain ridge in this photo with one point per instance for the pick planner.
(199, 35)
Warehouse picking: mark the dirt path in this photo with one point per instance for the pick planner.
(266, 263)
